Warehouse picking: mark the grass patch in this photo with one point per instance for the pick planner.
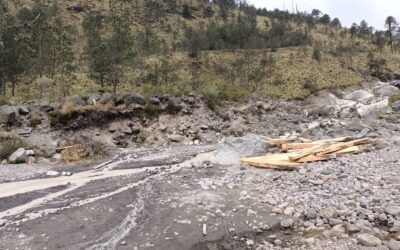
(394, 98)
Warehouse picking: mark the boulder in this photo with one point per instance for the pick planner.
(394, 244)
(358, 95)
(396, 84)
(134, 99)
(393, 210)
(368, 240)
(93, 97)
(76, 101)
(18, 156)
(8, 115)
(176, 138)
(386, 91)
(106, 98)
(154, 101)
(22, 110)
(373, 107)
(396, 106)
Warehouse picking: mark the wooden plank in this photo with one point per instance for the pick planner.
(307, 152)
(313, 158)
(296, 146)
(333, 140)
(342, 145)
(354, 150)
(281, 141)
(275, 159)
(262, 165)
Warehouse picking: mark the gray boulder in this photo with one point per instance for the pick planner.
(386, 91)
(134, 99)
(106, 98)
(358, 95)
(396, 106)
(176, 138)
(154, 101)
(8, 115)
(93, 97)
(368, 240)
(18, 156)
(76, 101)
(394, 244)
(393, 210)
(22, 110)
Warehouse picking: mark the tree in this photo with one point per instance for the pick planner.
(13, 50)
(187, 12)
(325, 19)
(336, 23)
(119, 45)
(96, 47)
(353, 30)
(390, 24)
(315, 13)
(364, 29)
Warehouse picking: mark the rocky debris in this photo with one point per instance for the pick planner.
(18, 156)
(393, 211)
(8, 115)
(155, 101)
(369, 240)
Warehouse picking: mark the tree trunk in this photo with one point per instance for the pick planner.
(13, 88)
(2, 86)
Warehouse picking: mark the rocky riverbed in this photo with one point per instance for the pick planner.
(187, 190)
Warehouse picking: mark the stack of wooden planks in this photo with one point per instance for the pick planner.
(296, 153)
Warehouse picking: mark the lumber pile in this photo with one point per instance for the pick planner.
(296, 153)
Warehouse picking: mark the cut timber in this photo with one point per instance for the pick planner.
(281, 141)
(298, 154)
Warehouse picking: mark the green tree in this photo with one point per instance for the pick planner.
(13, 49)
(120, 44)
(96, 49)
(390, 24)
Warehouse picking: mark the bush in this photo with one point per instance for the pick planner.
(172, 108)
(316, 55)
(34, 122)
(9, 143)
(150, 111)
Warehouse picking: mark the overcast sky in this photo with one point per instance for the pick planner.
(348, 11)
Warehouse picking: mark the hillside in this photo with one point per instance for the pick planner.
(223, 51)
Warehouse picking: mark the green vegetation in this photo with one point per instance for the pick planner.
(225, 50)
(9, 143)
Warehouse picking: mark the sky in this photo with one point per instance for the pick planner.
(348, 11)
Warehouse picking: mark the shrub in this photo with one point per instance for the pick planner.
(34, 122)
(9, 143)
(316, 55)
(172, 108)
(150, 111)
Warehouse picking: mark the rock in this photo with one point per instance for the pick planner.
(52, 173)
(358, 95)
(393, 210)
(123, 243)
(311, 213)
(226, 116)
(176, 138)
(57, 157)
(76, 101)
(22, 110)
(134, 99)
(236, 129)
(386, 91)
(373, 107)
(396, 84)
(44, 161)
(396, 106)
(394, 244)
(154, 101)
(8, 115)
(117, 135)
(30, 160)
(4, 162)
(92, 98)
(288, 223)
(18, 156)
(289, 211)
(107, 98)
(337, 231)
(328, 212)
(368, 240)
(351, 228)
(2, 223)
(30, 153)
(250, 243)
